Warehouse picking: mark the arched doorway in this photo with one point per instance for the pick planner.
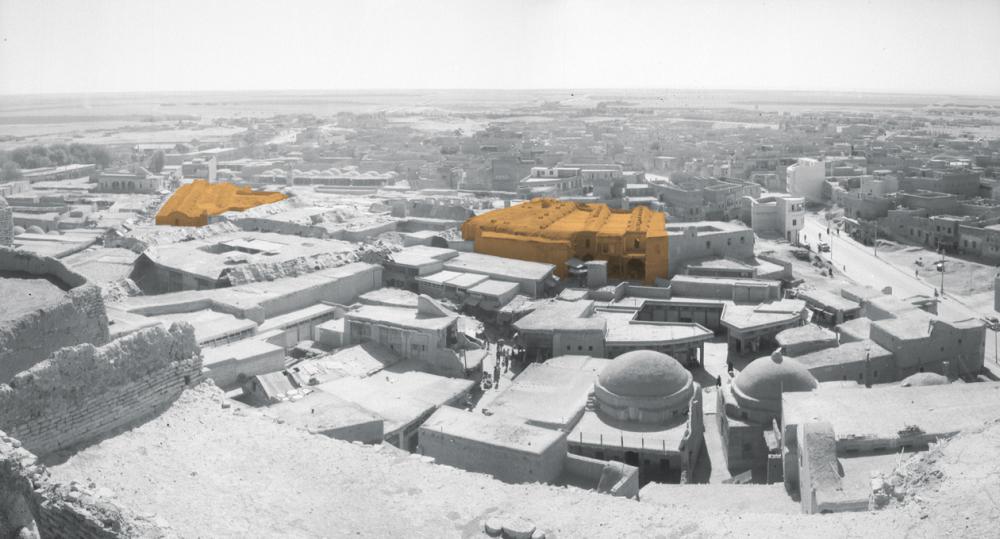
(635, 269)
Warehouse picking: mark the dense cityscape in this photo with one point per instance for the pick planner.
(784, 308)
(499, 269)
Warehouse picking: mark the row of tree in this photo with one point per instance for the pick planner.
(55, 155)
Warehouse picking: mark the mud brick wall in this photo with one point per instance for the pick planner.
(83, 393)
(78, 318)
(31, 505)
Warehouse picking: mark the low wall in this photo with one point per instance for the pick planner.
(653, 292)
(85, 392)
(33, 506)
(76, 318)
(614, 478)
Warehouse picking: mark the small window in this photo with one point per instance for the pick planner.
(708, 245)
(795, 222)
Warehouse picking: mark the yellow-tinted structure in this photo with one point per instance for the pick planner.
(545, 230)
(194, 203)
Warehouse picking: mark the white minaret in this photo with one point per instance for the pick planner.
(6, 224)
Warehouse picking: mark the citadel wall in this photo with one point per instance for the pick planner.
(31, 505)
(78, 317)
(82, 393)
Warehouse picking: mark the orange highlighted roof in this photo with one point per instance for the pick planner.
(194, 203)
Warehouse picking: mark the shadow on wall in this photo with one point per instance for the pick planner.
(84, 393)
(78, 317)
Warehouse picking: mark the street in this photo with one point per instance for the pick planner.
(859, 263)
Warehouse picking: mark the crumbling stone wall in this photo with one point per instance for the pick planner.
(82, 393)
(31, 505)
(78, 318)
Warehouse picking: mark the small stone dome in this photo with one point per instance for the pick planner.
(765, 378)
(924, 379)
(35, 229)
(18, 230)
(644, 373)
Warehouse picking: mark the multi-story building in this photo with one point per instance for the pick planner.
(782, 215)
(634, 243)
(805, 179)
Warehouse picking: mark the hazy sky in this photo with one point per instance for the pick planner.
(918, 46)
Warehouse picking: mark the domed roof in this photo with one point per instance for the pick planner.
(644, 373)
(35, 229)
(765, 378)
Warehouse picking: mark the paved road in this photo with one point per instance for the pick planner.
(859, 262)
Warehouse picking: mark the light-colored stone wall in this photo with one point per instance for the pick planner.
(82, 393)
(31, 505)
(77, 318)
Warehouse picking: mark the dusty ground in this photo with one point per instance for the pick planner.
(214, 472)
(963, 278)
(954, 489)
(815, 271)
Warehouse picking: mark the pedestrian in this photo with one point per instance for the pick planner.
(718, 381)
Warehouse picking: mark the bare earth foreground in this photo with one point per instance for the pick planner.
(210, 471)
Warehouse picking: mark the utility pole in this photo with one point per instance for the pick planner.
(875, 243)
(940, 268)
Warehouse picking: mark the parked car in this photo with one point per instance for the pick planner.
(823, 247)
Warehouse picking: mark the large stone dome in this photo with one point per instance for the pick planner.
(644, 373)
(646, 387)
(764, 379)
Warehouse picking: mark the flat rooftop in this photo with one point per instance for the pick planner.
(499, 266)
(882, 412)
(24, 293)
(807, 333)
(497, 431)
(556, 314)
(491, 287)
(846, 353)
(743, 316)
(102, 265)
(545, 395)
(829, 300)
(208, 324)
(622, 329)
(401, 316)
(389, 296)
(243, 349)
(400, 398)
(211, 257)
(359, 361)
(318, 412)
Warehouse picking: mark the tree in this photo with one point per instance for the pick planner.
(10, 172)
(156, 162)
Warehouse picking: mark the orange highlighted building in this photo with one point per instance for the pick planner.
(634, 243)
(195, 203)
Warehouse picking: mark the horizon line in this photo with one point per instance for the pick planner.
(480, 89)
